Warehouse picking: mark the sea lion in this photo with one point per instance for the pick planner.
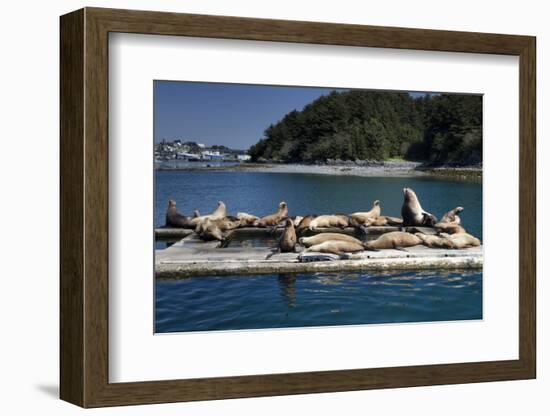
(434, 241)
(452, 217)
(304, 224)
(336, 247)
(362, 217)
(224, 224)
(296, 220)
(274, 219)
(449, 228)
(384, 220)
(248, 220)
(210, 231)
(219, 212)
(321, 238)
(412, 211)
(287, 243)
(327, 221)
(175, 219)
(462, 240)
(395, 240)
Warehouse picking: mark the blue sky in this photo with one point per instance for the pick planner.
(234, 115)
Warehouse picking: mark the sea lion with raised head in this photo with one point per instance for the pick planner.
(287, 242)
(328, 221)
(248, 220)
(322, 237)
(360, 218)
(274, 219)
(395, 240)
(176, 219)
(196, 213)
(336, 247)
(219, 212)
(412, 211)
(452, 217)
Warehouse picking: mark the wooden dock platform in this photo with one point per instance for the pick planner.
(191, 256)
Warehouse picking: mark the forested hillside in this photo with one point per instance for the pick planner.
(372, 125)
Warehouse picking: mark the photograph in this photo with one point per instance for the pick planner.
(294, 207)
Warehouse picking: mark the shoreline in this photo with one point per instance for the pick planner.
(379, 169)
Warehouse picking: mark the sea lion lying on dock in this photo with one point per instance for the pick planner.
(321, 238)
(274, 219)
(449, 241)
(360, 218)
(395, 240)
(209, 230)
(176, 219)
(287, 243)
(449, 228)
(304, 224)
(412, 211)
(248, 220)
(384, 220)
(336, 247)
(327, 221)
(224, 224)
(297, 220)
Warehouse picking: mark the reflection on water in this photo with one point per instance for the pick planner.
(318, 299)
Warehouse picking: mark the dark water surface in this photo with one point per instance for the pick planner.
(270, 301)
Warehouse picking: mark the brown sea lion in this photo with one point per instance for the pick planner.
(321, 238)
(452, 217)
(395, 240)
(327, 221)
(412, 211)
(219, 212)
(175, 219)
(210, 231)
(384, 220)
(274, 219)
(434, 241)
(287, 243)
(304, 224)
(297, 220)
(362, 217)
(336, 247)
(449, 228)
(462, 240)
(224, 224)
(248, 220)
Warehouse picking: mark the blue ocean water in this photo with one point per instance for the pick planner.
(270, 301)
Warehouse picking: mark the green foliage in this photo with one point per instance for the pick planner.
(371, 125)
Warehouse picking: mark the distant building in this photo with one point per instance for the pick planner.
(243, 158)
(201, 145)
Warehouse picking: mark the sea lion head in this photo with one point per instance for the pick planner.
(282, 205)
(289, 223)
(458, 210)
(376, 203)
(171, 203)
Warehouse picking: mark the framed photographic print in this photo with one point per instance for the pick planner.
(255, 207)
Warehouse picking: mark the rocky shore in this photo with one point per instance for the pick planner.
(359, 168)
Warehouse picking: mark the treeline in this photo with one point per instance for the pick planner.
(371, 125)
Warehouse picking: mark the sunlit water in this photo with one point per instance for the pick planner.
(271, 301)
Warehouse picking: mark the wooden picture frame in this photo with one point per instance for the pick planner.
(84, 207)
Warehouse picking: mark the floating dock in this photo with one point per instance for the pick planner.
(190, 256)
